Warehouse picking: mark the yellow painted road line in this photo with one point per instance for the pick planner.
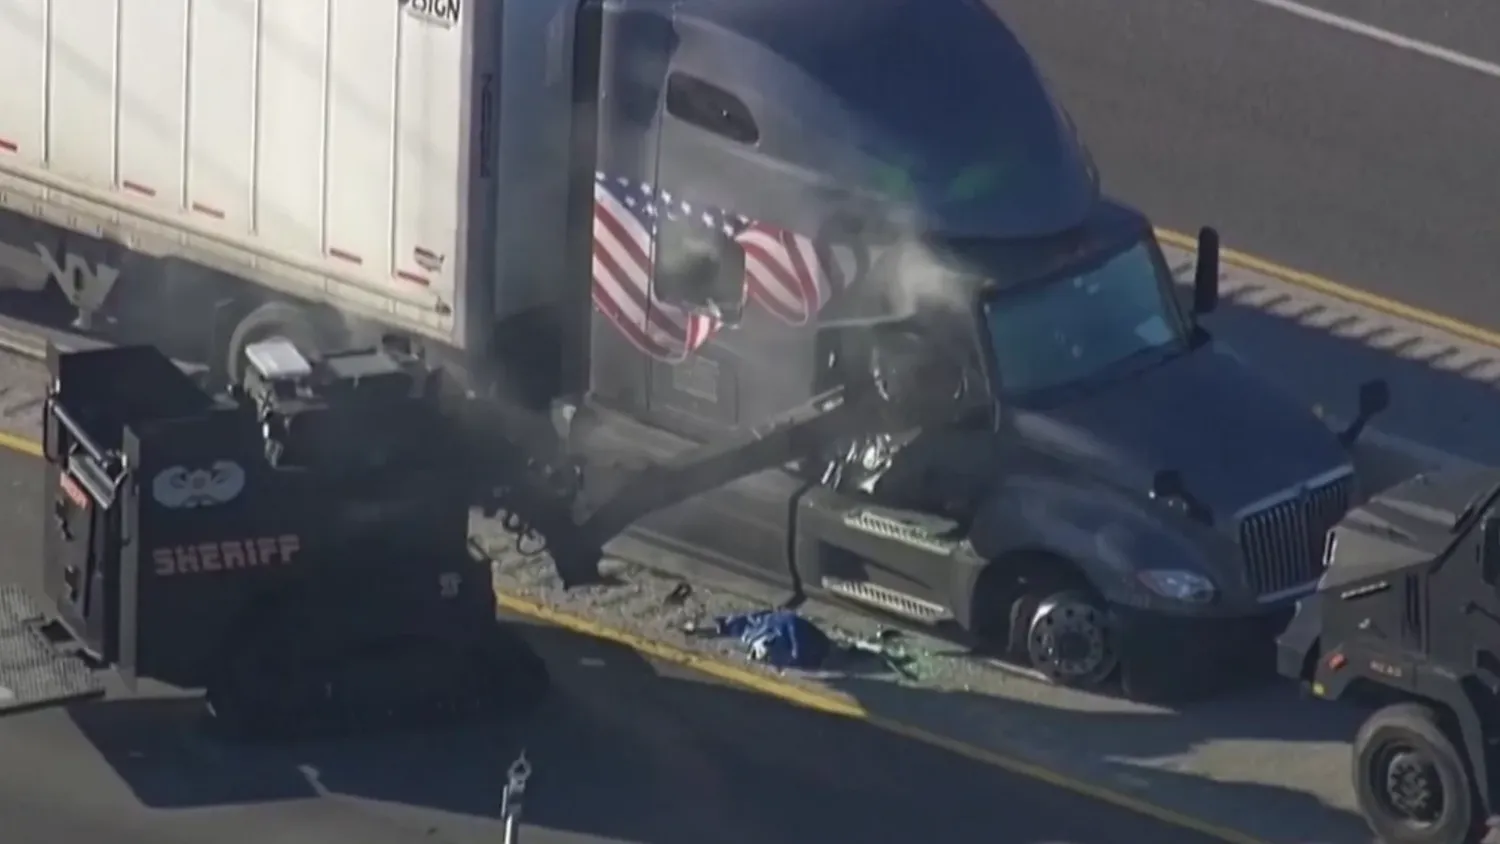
(24, 445)
(770, 686)
(1353, 295)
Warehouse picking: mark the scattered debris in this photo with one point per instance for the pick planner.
(779, 638)
(679, 594)
(885, 645)
(783, 639)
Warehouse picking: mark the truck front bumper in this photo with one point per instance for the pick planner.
(1201, 651)
(1298, 641)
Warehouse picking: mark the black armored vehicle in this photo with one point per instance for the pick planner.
(309, 570)
(1406, 621)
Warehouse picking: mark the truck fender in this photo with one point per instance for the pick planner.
(1441, 687)
(1101, 533)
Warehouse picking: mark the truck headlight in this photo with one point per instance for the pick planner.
(1179, 585)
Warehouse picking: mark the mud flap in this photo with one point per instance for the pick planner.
(37, 672)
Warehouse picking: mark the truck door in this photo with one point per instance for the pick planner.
(634, 48)
(887, 525)
(710, 370)
(1482, 610)
(85, 492)
(48, 664)
(701, 383)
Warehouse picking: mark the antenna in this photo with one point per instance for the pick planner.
(513, 797)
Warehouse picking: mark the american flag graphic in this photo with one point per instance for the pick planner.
(782, 271)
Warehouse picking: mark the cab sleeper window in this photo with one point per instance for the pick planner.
(711, 108)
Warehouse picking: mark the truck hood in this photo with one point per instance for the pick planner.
(1234, 438)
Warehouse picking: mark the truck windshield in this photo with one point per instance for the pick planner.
(1080, 326)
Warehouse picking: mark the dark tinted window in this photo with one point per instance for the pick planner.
(709, 107)
(1051, 334)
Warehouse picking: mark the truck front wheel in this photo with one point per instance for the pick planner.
(1064, 632)
(1411, 779)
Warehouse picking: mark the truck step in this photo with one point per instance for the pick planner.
(924, 532)
(34, 671)
(890, 600)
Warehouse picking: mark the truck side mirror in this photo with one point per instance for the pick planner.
(1206, 274)
(1489, 549)
(699, 269)
(1374, 397)
(1168, 484)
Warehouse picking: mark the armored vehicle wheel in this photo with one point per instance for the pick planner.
(1067, 636)
(1412, 781)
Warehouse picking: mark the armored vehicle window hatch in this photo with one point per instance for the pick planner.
(278, 360)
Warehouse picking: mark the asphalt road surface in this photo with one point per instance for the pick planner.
(628, 751)
(1307, 145)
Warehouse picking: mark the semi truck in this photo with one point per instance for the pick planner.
(660, 242)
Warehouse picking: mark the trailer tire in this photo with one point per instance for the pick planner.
(273, 319)
(1412, 780)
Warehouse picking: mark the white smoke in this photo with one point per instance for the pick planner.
(907, 278)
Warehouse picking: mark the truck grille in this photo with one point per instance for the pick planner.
(1283, 543)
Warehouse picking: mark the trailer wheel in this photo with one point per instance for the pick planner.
(272, 319)
(1412, 781)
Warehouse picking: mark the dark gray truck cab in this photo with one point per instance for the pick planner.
(1111, 483)
(1113, 486)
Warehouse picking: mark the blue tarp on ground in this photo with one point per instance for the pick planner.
(779, 638)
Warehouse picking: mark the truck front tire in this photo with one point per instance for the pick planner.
(1063, 632)
(1412, 781)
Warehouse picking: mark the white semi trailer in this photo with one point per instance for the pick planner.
(190, 171)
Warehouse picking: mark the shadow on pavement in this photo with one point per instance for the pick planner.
(626, 753)
(1444, 390)
(1134, 750)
